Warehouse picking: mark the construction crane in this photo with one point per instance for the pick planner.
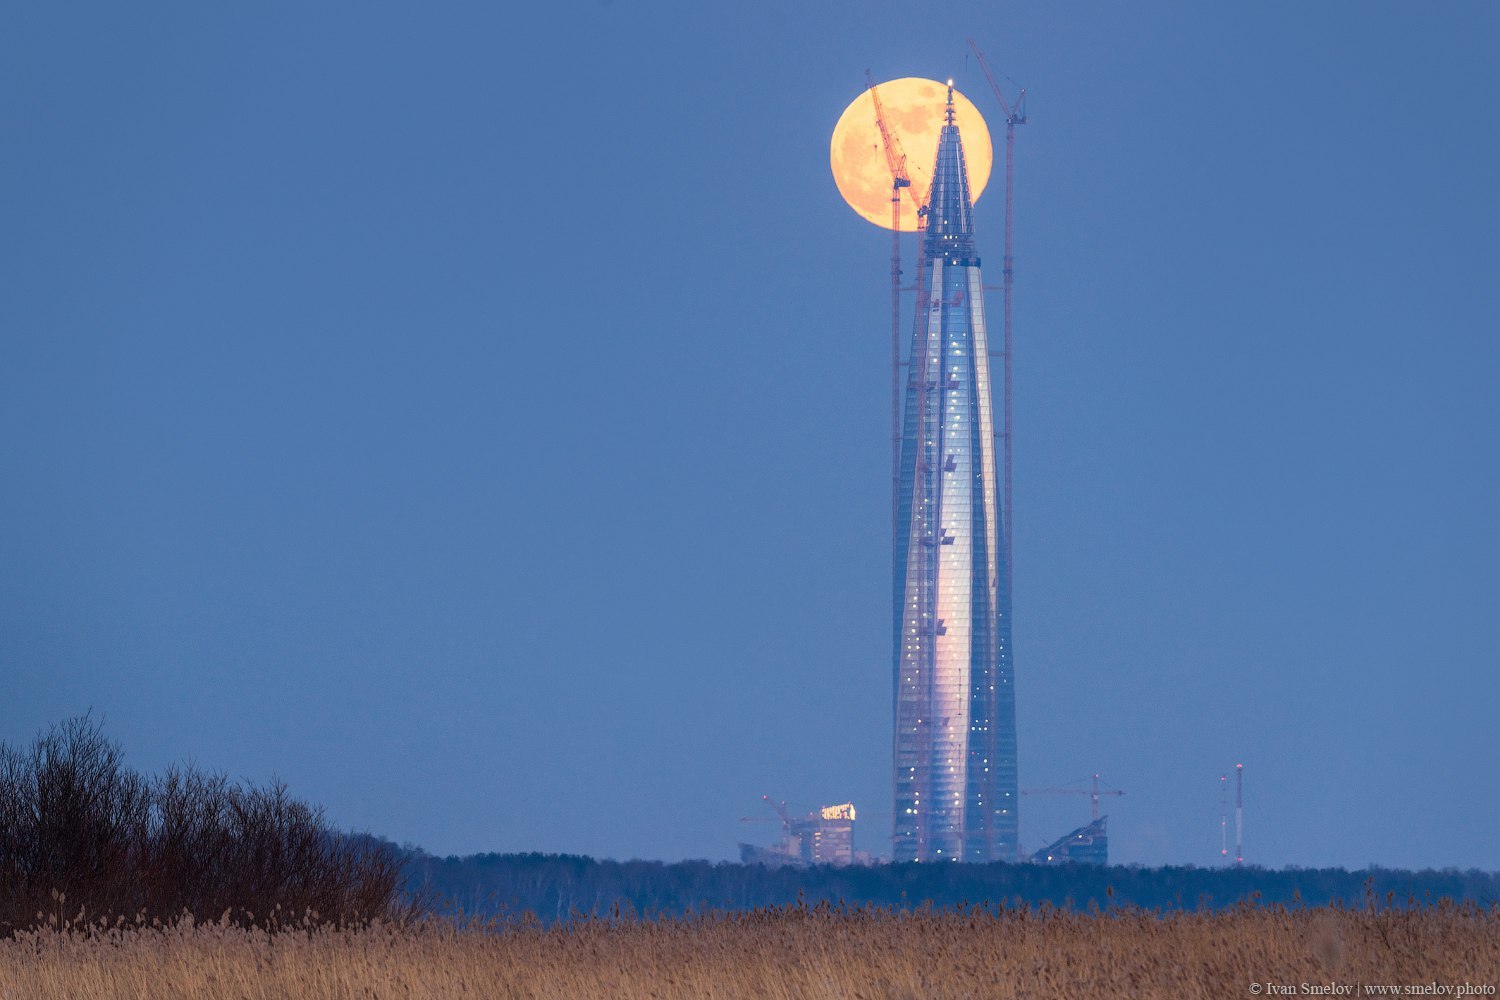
(895, 158)
(1092, 792)
(780, 807)
(1014, 115)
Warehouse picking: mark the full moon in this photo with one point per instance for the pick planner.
(914, 112)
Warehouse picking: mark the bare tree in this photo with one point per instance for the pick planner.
(84, 838)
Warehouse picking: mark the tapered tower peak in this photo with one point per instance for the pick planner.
(950, 209)
(954, 753)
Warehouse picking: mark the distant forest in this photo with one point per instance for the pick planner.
(554, 887)
(87, 839)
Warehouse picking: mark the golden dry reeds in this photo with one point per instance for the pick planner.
(796, 952)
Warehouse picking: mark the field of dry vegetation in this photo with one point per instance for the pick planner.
(784, 953)
(309, 912)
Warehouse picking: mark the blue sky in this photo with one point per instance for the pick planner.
(478, 417)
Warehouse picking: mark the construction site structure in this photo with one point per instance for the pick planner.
(1086, 845)
(824, 836)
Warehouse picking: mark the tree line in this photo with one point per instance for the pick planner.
(554, 887)
(85, 840)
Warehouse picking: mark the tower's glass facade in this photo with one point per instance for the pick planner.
(955, 741)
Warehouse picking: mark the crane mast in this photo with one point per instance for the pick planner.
(895, 158)
(1014, 115)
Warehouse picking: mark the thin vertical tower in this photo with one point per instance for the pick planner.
(1239, 815)
(895, 158)
(955, 739)
(1223, 816)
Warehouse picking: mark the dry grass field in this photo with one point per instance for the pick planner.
(797, 952)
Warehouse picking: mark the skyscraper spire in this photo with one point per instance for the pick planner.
(955, 740)
(950, 209)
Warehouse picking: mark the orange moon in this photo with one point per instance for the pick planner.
(914, 112)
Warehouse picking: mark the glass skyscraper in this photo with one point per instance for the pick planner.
(955, 742)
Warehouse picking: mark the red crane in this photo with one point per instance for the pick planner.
(895, 158)
(1014, 115)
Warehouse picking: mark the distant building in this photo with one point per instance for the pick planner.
(828, 837)
(825, 837)
(1087, 845)
(955, 741)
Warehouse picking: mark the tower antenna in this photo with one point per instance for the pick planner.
(1223, 816)
(1239, 815)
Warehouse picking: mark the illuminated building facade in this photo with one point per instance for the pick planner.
(830, 838)
(955, 741)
